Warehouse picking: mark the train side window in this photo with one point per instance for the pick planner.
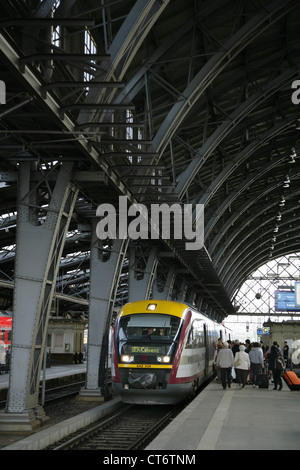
(190, 339)
(199, 340)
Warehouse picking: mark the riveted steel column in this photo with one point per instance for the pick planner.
(165, 293)
(105, 268)
(38, 253)
(140, 287)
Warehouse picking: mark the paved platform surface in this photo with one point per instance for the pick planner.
(234, 419)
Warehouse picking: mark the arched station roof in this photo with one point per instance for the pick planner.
(187, 101)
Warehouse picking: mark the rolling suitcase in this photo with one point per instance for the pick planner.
(292, 381)
(263, 381)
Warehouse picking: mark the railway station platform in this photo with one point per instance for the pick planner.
(235, 419)
(54, 372)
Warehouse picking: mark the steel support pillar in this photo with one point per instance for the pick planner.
(142, 270)
(165, 292)
(106, 261)
(39, 245)
(183, 291)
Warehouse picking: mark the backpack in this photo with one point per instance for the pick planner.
(280, 363)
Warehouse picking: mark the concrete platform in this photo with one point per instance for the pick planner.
(42, 439)
(52, 372)
(234, 419)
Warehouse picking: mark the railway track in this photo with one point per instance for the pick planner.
(132, 428)
(57, 393)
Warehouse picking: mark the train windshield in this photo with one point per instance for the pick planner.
(155, 332)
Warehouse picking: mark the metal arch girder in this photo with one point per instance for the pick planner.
(248, 151)
(53, 107)
(132, 33)
(214, 66)
(238, 259)
(223, 130)
(250, 235)
(122, 51)
(235, 217)
(226, 264)
(243, 156)
(239, 190)
(259, 262)
(248, 222)
(255, 262)
(136, 82)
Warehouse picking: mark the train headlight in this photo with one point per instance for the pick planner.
(127, 358)
(164, 359)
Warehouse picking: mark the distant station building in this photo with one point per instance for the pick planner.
(66, 339)
(287, 330)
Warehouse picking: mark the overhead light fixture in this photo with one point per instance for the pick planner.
(282, 201)
(293, 155)
(286, 183)
(275, 229)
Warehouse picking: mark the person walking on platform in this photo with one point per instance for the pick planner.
(279, 371)
(257, 363)
(272, 356)
(242, 366)
(225, 361)
(286, 353)
(218, 370)
(236, 347)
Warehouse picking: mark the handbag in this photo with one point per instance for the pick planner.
(237, 362)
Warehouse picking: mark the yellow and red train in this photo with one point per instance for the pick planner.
(162, 351)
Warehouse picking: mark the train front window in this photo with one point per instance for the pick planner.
(148, 334)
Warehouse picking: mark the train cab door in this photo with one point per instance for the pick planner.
(205, 331)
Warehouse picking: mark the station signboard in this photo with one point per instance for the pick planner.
(285, 301)
(297, 294)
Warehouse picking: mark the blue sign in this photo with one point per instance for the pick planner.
(285, 301)
(297, 294)
(265, 330)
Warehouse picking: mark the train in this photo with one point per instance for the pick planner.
(5, 335)
(162, 351)
(5, 327)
